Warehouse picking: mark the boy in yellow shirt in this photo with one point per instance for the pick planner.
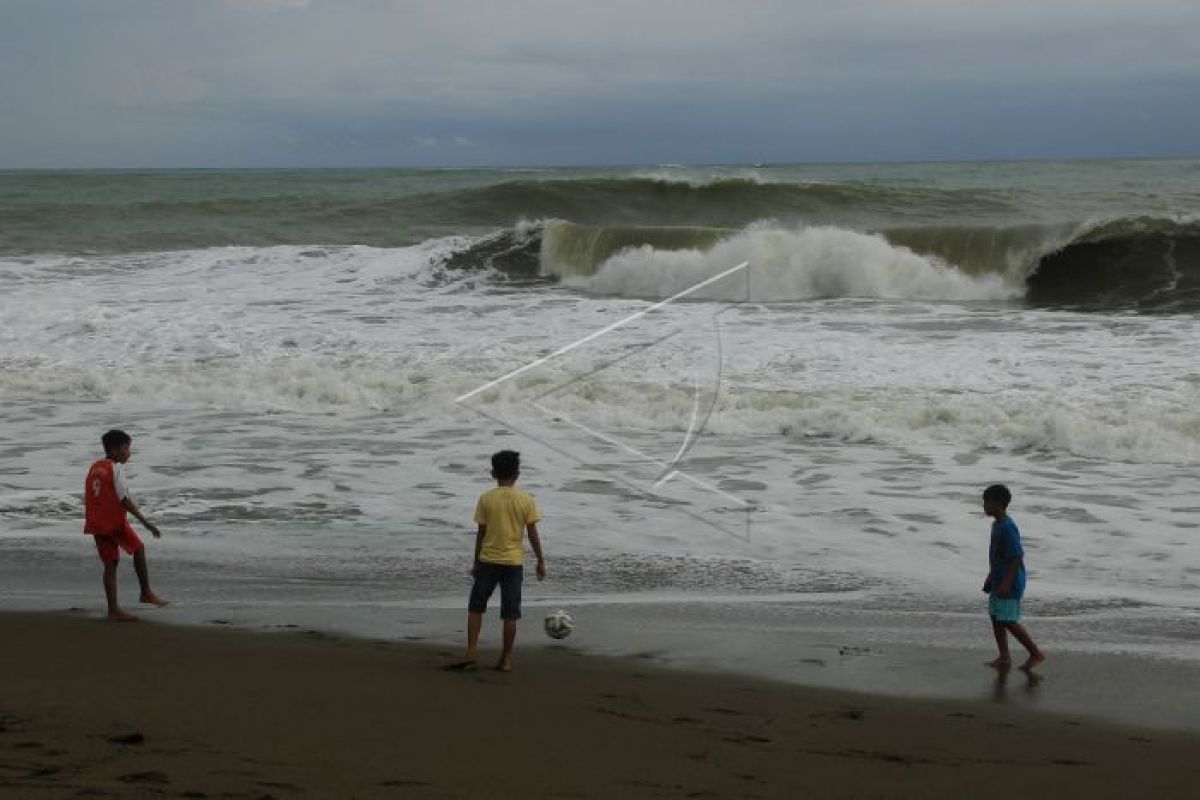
(503, 515)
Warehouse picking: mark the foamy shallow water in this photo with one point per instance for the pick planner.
(297, 436)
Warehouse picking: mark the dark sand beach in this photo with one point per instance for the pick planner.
(96, 709)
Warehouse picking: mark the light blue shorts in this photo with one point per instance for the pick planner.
(1004, 609)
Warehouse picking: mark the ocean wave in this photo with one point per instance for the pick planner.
(1142, 263)
(1136, 260)
(805, 264)
(1118, 429)
(1158, 428)
(1137, 263)
(136, 214)
(718, 201)
(431, 262)
(300, 384)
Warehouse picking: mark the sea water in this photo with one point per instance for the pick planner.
(316, 365)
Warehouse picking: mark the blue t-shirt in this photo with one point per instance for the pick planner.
(1005, 546)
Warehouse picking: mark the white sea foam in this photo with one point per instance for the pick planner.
(818, 262)
(295, 406)
(1158, 429)
(367, 330)
(698, 177)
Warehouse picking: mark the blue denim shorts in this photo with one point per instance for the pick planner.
(509, 576)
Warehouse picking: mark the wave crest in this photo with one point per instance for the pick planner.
(1142, 263)
(787, 265)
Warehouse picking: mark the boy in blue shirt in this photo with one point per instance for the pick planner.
(1005, 582)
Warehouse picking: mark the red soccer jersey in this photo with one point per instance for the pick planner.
(104, 514)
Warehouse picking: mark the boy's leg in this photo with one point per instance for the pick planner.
(486, 577)
(510, 638)
(110, 594)
(510, 612)
(143, 576)
(1035, 655)
(1000, 631)
(110, 553)
(474, 626)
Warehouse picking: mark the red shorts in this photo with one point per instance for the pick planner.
(110, 546)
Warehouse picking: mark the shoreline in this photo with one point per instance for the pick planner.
(803, 643)
(152, 709)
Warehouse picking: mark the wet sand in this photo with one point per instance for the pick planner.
(91, 708)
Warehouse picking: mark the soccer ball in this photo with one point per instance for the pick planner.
(558, 625)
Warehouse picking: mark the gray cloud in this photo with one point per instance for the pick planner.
(362, 82)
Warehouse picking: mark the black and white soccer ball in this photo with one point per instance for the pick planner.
(558, 625)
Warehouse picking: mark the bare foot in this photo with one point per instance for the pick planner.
(1000, 663)
(150, 598)
(505, 665)
(461, 666)
(1033, 661)
(121, 616)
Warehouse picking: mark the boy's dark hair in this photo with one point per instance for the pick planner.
(114, 439)
(998, 492)
(506, 465)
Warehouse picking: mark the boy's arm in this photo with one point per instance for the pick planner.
(478, 546)
(1010, 577)
(535, 542)
(132, 508)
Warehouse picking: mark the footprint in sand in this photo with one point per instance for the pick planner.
(280, 785)
(748, 776)
(730, 711)
(744, 739)
(855, 714)
(150, 776)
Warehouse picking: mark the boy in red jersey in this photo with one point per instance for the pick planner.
(106, 500)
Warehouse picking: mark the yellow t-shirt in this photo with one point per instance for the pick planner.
(505, 510)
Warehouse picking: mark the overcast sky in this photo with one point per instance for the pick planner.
(242, 83)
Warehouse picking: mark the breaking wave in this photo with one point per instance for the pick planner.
(822, 262)
(352, 331)
(1136, 263)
